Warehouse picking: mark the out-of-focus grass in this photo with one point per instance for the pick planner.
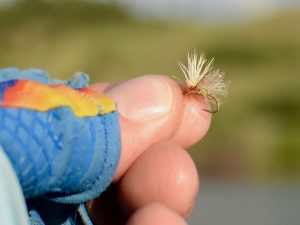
(255, 135)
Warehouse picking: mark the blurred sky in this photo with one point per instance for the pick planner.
(199, 10)
(207, 10)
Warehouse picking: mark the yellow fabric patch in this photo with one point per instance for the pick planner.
(36, 96)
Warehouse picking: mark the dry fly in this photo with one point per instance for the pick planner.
(202, 79)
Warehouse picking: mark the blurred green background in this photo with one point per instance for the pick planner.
(255, 138)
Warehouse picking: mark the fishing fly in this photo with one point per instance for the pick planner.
(202, 79)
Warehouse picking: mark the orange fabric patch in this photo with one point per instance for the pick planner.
(36, 96)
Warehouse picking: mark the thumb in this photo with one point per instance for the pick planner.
(151, 109)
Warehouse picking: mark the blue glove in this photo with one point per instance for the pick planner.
(56, 154)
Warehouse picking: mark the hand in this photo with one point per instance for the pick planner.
(156, 181)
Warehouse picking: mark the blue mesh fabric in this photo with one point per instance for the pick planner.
(79, 80)
(56, 155)
(59, 153)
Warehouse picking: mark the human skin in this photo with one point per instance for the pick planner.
(156, 181)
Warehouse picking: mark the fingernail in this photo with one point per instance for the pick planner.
(142, 99)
